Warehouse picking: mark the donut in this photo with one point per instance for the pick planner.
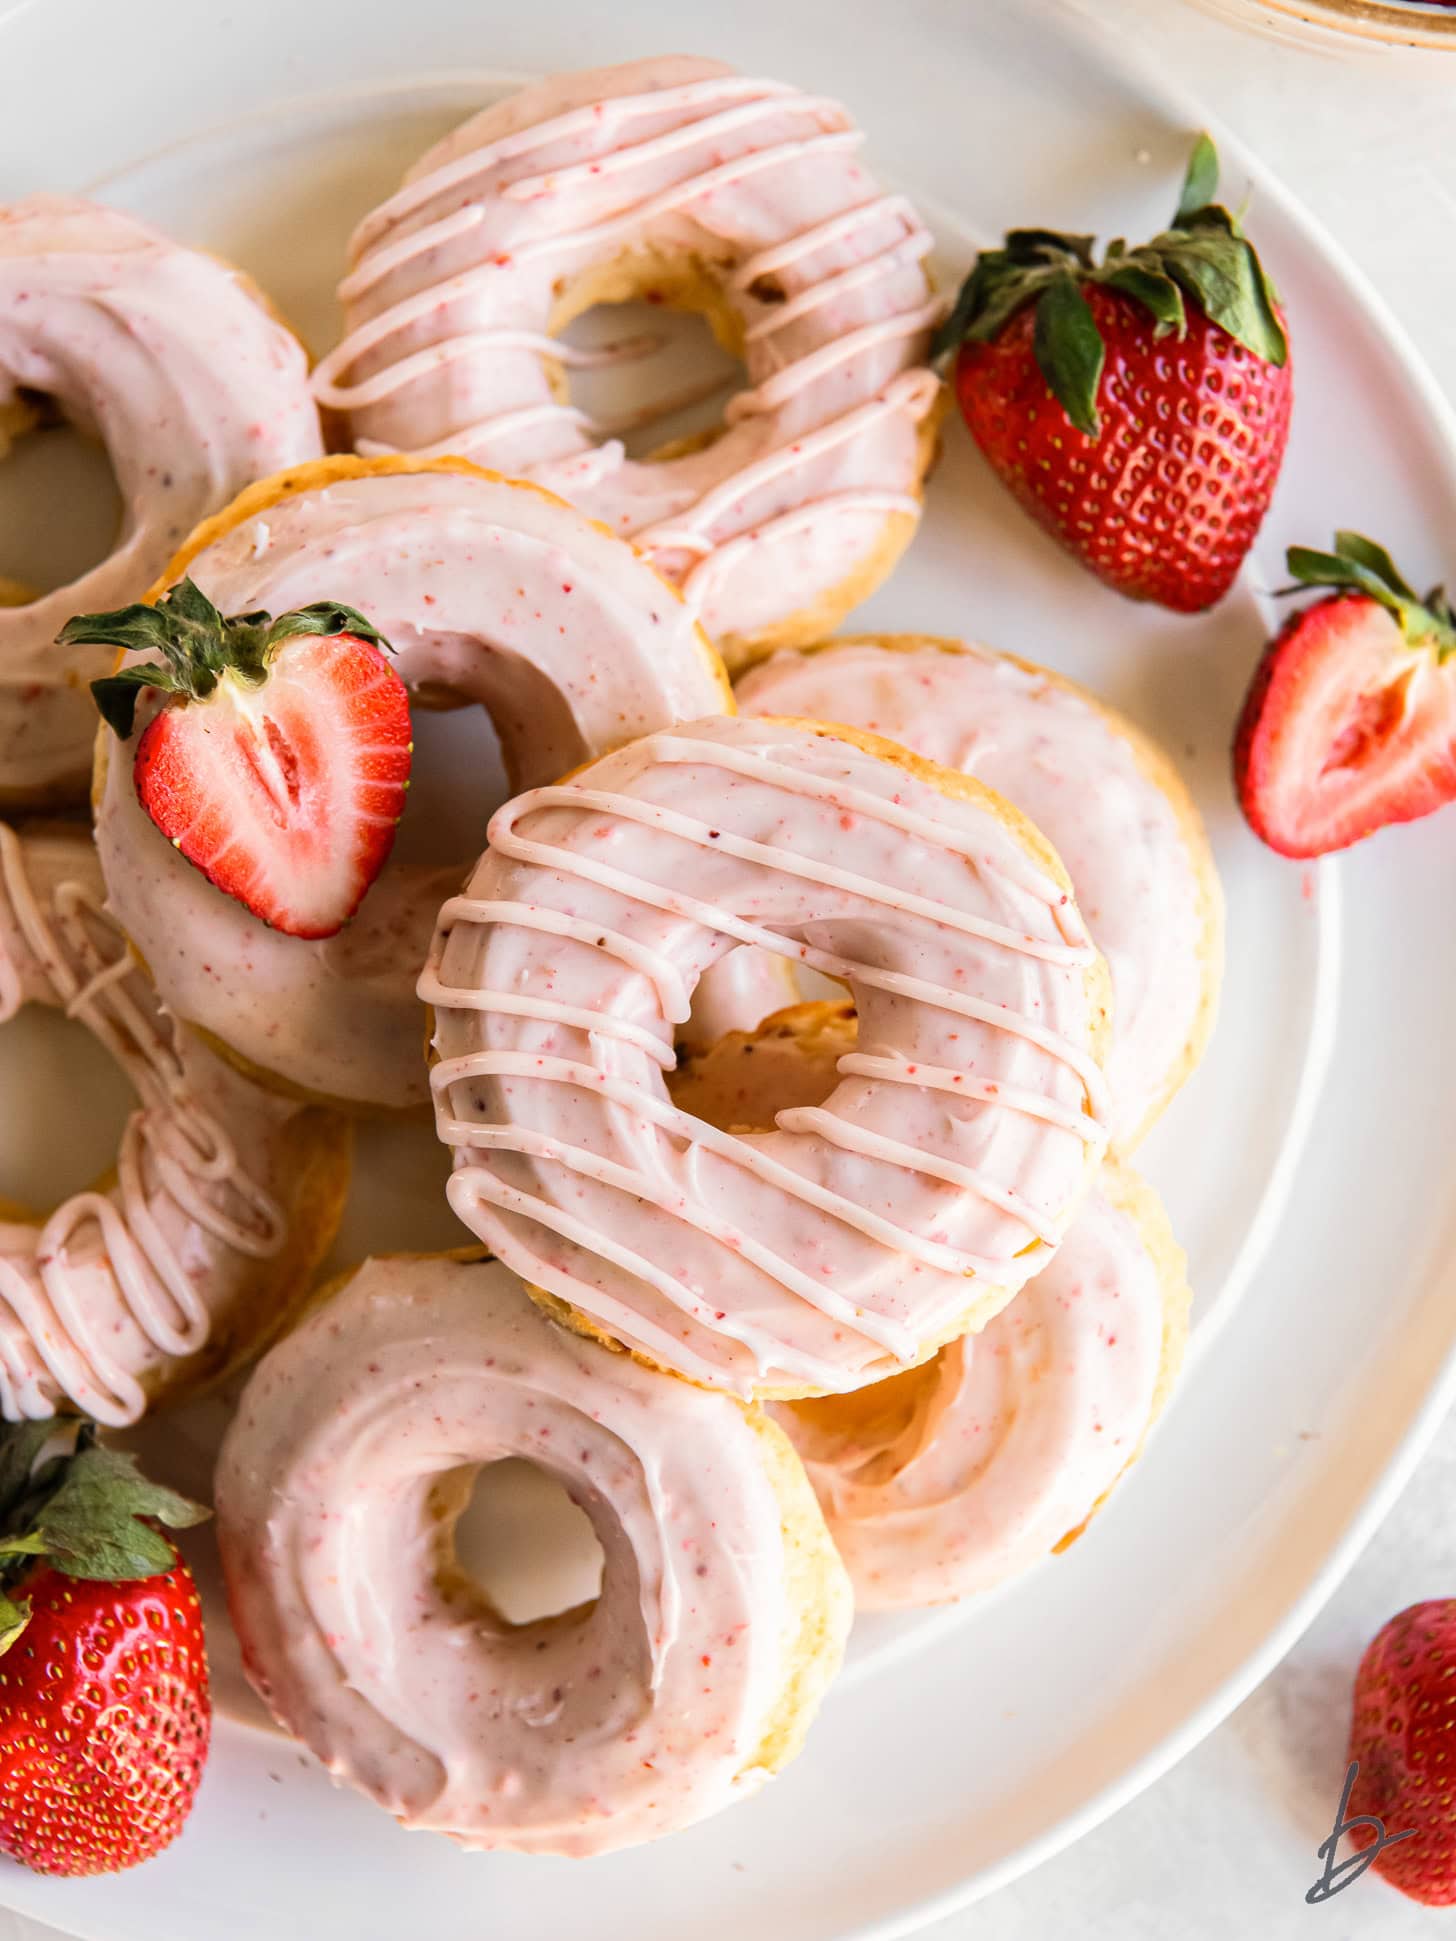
(858, 1236)
(685, 183)
(224, 1201)
(690, 1679)
(1107, 799)
(173, 361)
(965, 1471)
(492, 593)
(970, 1469)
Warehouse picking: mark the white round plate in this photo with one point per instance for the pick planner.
(1307, 1166)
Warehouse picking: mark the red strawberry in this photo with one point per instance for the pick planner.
(1403, 1732)
(1138, 408)
(278, 762)
(104, 1705)
(1351, 719)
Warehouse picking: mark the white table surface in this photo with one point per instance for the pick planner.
(1224, 1846)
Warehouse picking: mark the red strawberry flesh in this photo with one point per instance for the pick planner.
(286, 795)
(1347, 727)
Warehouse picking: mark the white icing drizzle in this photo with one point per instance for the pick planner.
(708, 129)
(474, 1185)
(1116, 813)
(688, 531)
(471, 272)
(490, 590)
(51, 1337)
(465, 168)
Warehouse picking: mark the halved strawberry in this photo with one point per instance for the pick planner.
(279, 760)
(1351, 719)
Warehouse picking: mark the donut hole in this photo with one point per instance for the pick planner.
(45, 462)
(865, 1428)
(469, 759)
(457, 781)
(681, 341)
(76, 1101)
(529, 1551)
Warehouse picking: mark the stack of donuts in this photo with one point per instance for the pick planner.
(789, 1042)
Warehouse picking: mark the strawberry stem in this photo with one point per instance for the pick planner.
(198, 645)
(87, 1511)
(1200, 183)
(1361, 566)
(1204, 258)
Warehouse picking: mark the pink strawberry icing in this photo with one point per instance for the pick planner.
(967, 1470)
(118, 1287)
(490, 593)
(1011, 1437)
(456, 283)
(194, 389)
(352, 1454)
(1128, 834)
(936, 1178)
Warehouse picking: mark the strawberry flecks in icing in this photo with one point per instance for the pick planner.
(962, 1472)
(1136, 856)
(194, 389)
(1004, 1445)
(828, 1252)
(457, 280)
(498, 595)
(353, 1452)
(115, 1286)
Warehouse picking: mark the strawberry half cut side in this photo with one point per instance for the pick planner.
(1350, 723)
(279, 757)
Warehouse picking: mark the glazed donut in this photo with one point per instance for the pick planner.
(225, 1198)
(1107, 799)
(936, 1178)
(170, 359)
(679, 180)
(967, 1470)
(682, 1687)
(491, 593)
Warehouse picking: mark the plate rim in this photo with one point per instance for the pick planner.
(1162, 97)
(1440, 1396)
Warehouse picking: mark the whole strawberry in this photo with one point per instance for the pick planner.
(1137, 408)
(280, 756)
(104, 1706)
(1403, 1733)
(1350, 721)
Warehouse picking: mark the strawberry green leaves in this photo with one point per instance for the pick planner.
(1203, 259)
(1068, 349)
(1211, 260)
(1362, 566)
(1200, 184)
(93, 1525)
(1153, 288)
(1004, 279)
(85, 1510)
(198, 645)
(14, 1616)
